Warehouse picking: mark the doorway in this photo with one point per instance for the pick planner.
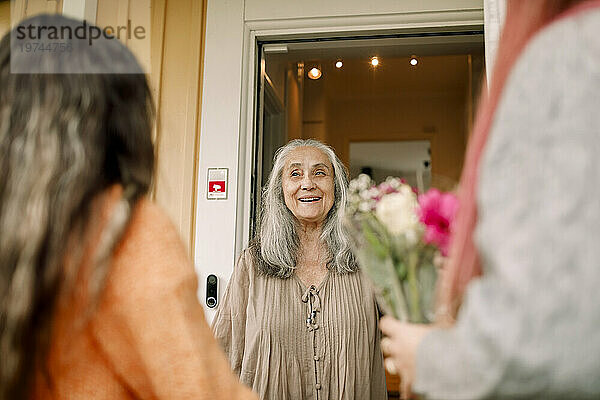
(399, 104)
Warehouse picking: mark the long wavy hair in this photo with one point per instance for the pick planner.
(275, 247)
(64, 139)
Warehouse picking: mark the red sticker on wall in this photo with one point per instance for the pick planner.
(217, 184)
(216, 187)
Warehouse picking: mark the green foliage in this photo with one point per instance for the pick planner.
(403, 276)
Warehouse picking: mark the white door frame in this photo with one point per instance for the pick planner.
(286, 29)
(209, 237)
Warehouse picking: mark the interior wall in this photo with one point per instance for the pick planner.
(314, 106)
(293, 96)
(439, 119)
(435, 103)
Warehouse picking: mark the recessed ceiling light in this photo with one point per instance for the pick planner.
(338, 64)
(413, 61)
(314, 73)
(374, 61)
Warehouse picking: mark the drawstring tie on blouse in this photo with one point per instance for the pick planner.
(311, 296)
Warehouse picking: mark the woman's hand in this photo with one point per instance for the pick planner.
(400, 349)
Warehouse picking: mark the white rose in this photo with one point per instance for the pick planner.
(397, 211)
(364, 206)
(365, 194)
(406, 190)
(396, 183)
(353, 186)
(373, 192)
(364, 182)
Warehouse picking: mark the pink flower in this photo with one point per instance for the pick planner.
(437, 211)
(385, 188)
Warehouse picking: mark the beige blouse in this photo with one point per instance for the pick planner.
(289, 341)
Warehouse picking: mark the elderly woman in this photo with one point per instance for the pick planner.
(298, 321)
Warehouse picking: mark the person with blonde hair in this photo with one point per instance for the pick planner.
(97, 294)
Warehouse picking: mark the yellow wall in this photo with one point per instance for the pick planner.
(179, 104)
(137, 13)
(4, 17)
(28, 8)
(20, 9)
(174, 59)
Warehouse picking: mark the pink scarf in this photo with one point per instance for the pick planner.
(523, 20)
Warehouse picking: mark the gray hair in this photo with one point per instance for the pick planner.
(64, 139)
(275, 247)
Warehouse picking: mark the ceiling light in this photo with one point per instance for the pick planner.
(314, 73)
(413, 61)
(374, 61)
(338, 64)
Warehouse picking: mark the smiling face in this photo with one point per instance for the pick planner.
(308, 185)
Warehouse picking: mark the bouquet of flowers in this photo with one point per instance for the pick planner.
(398, 236)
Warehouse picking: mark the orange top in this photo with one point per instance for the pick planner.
(148, 338)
